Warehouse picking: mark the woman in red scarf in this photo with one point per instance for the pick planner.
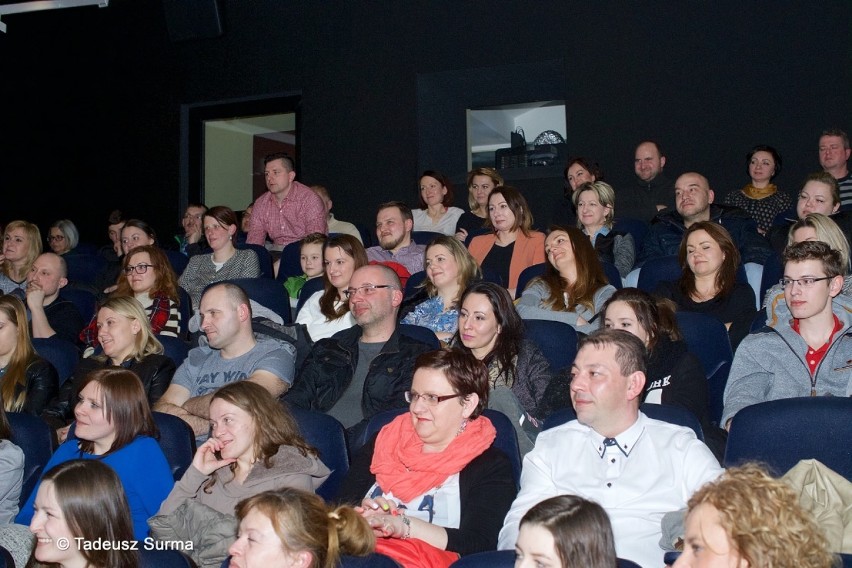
(435, 488)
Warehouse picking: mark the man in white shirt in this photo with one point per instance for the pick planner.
(636, 468)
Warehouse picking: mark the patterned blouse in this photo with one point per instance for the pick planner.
(431, 314)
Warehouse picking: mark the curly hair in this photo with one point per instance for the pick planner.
(763, 520)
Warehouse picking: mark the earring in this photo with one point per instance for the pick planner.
(462, 426)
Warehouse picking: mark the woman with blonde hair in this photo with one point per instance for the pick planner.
(327, 311)
(254, 446)
(573, 288)
(148, 276)
(127, 341)
(819, 227)
(27, 382)
(81, 502)
(595, 205)
(295, 528)
(480, 182)
(449, 270)
(748, 518)
(21, 246)
(513, 245)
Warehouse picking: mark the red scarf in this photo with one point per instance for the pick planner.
(401, 467)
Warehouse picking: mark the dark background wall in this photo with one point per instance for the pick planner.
(92, 97)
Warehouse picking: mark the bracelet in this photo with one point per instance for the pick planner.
(407, 522)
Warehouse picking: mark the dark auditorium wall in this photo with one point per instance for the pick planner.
(92, 97)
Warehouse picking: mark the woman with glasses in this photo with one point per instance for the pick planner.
(225, 262)
(708, 283)
(124, 333)
(430, 483)
(149, 277)
(63, 236)
(327, 311)
(21, 246)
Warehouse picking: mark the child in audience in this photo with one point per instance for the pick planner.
(311, 260)
(565, 531)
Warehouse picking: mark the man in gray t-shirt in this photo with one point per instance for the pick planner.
(231, 353)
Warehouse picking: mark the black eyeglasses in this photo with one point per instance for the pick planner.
(366, 289)
(805, 282)
(430, 399)
(54, 238)
(140, 268)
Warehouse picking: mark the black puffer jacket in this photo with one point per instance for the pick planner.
(155, 372)
(329, 368)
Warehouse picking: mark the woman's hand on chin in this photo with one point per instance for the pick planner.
(205, 459)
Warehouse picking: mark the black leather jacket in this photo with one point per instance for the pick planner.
(155, 372)
(42, 383)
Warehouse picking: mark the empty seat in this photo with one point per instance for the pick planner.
(264, 259)
(326, 434)
(556, 340)
(62, 354)
(267, 292)
(707, 339)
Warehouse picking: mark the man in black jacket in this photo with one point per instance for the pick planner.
(366, 369)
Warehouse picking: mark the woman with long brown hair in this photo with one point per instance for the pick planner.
(27, 382)
(573, 288)
(327, 312)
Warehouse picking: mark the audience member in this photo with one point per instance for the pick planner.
(21, 246)
(367, 368)
(565, 531)
(652, 190)
(394, 223)
(327, 311)
(637, 467)
(228, 353)
(595, 204)
(747, 518)
(254, 446)
(245, 218)
(63, 237)
(573, 288)
(312, 263)
(480, 182)
(492, 331)
(81, 503)
(449, 270)
(673, 375)
(834, 154)
(224, 263)
(149, 278)
(112, 251)
(128, 342)
(281, 526)
(335, 226)
(50, 313)
(579, 171)
(818, 227)
(805, 348)
(819, 194)
(761, 198)
(432, 475)
(192, 240)
(136, 233)
(27, 382)
(289, 210)
(11, 470)
(694, 203)
(708, 282)
(512, 245)
(114, 425)
(436, 213)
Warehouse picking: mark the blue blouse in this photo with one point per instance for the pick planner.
(431, 314)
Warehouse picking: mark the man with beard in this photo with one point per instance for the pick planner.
(394, 224)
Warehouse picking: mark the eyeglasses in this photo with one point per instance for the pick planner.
(805, 282)
(54, 238)
(140, 268)
(191, 216)
(366, 289)
(429, 399)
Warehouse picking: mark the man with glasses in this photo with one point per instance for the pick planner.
(192, 240)
(806, 347)
(51, 315)
(367, 368)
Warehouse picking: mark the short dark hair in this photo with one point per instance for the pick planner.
(630, 353)
(142, 226)
(839, 133)
(656, 145)
(115, 217)
(404, 209)
(832, 260)
(447, 201)
(776, 157)
(465, 373)
(225, 216)
(284, 157)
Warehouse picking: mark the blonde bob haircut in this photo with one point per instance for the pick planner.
(763, 520)
(146, 342)
(606, 197)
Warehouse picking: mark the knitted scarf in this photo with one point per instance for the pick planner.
(759, 192)
(401, 467)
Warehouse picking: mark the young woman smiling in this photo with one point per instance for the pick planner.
(436, 213)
